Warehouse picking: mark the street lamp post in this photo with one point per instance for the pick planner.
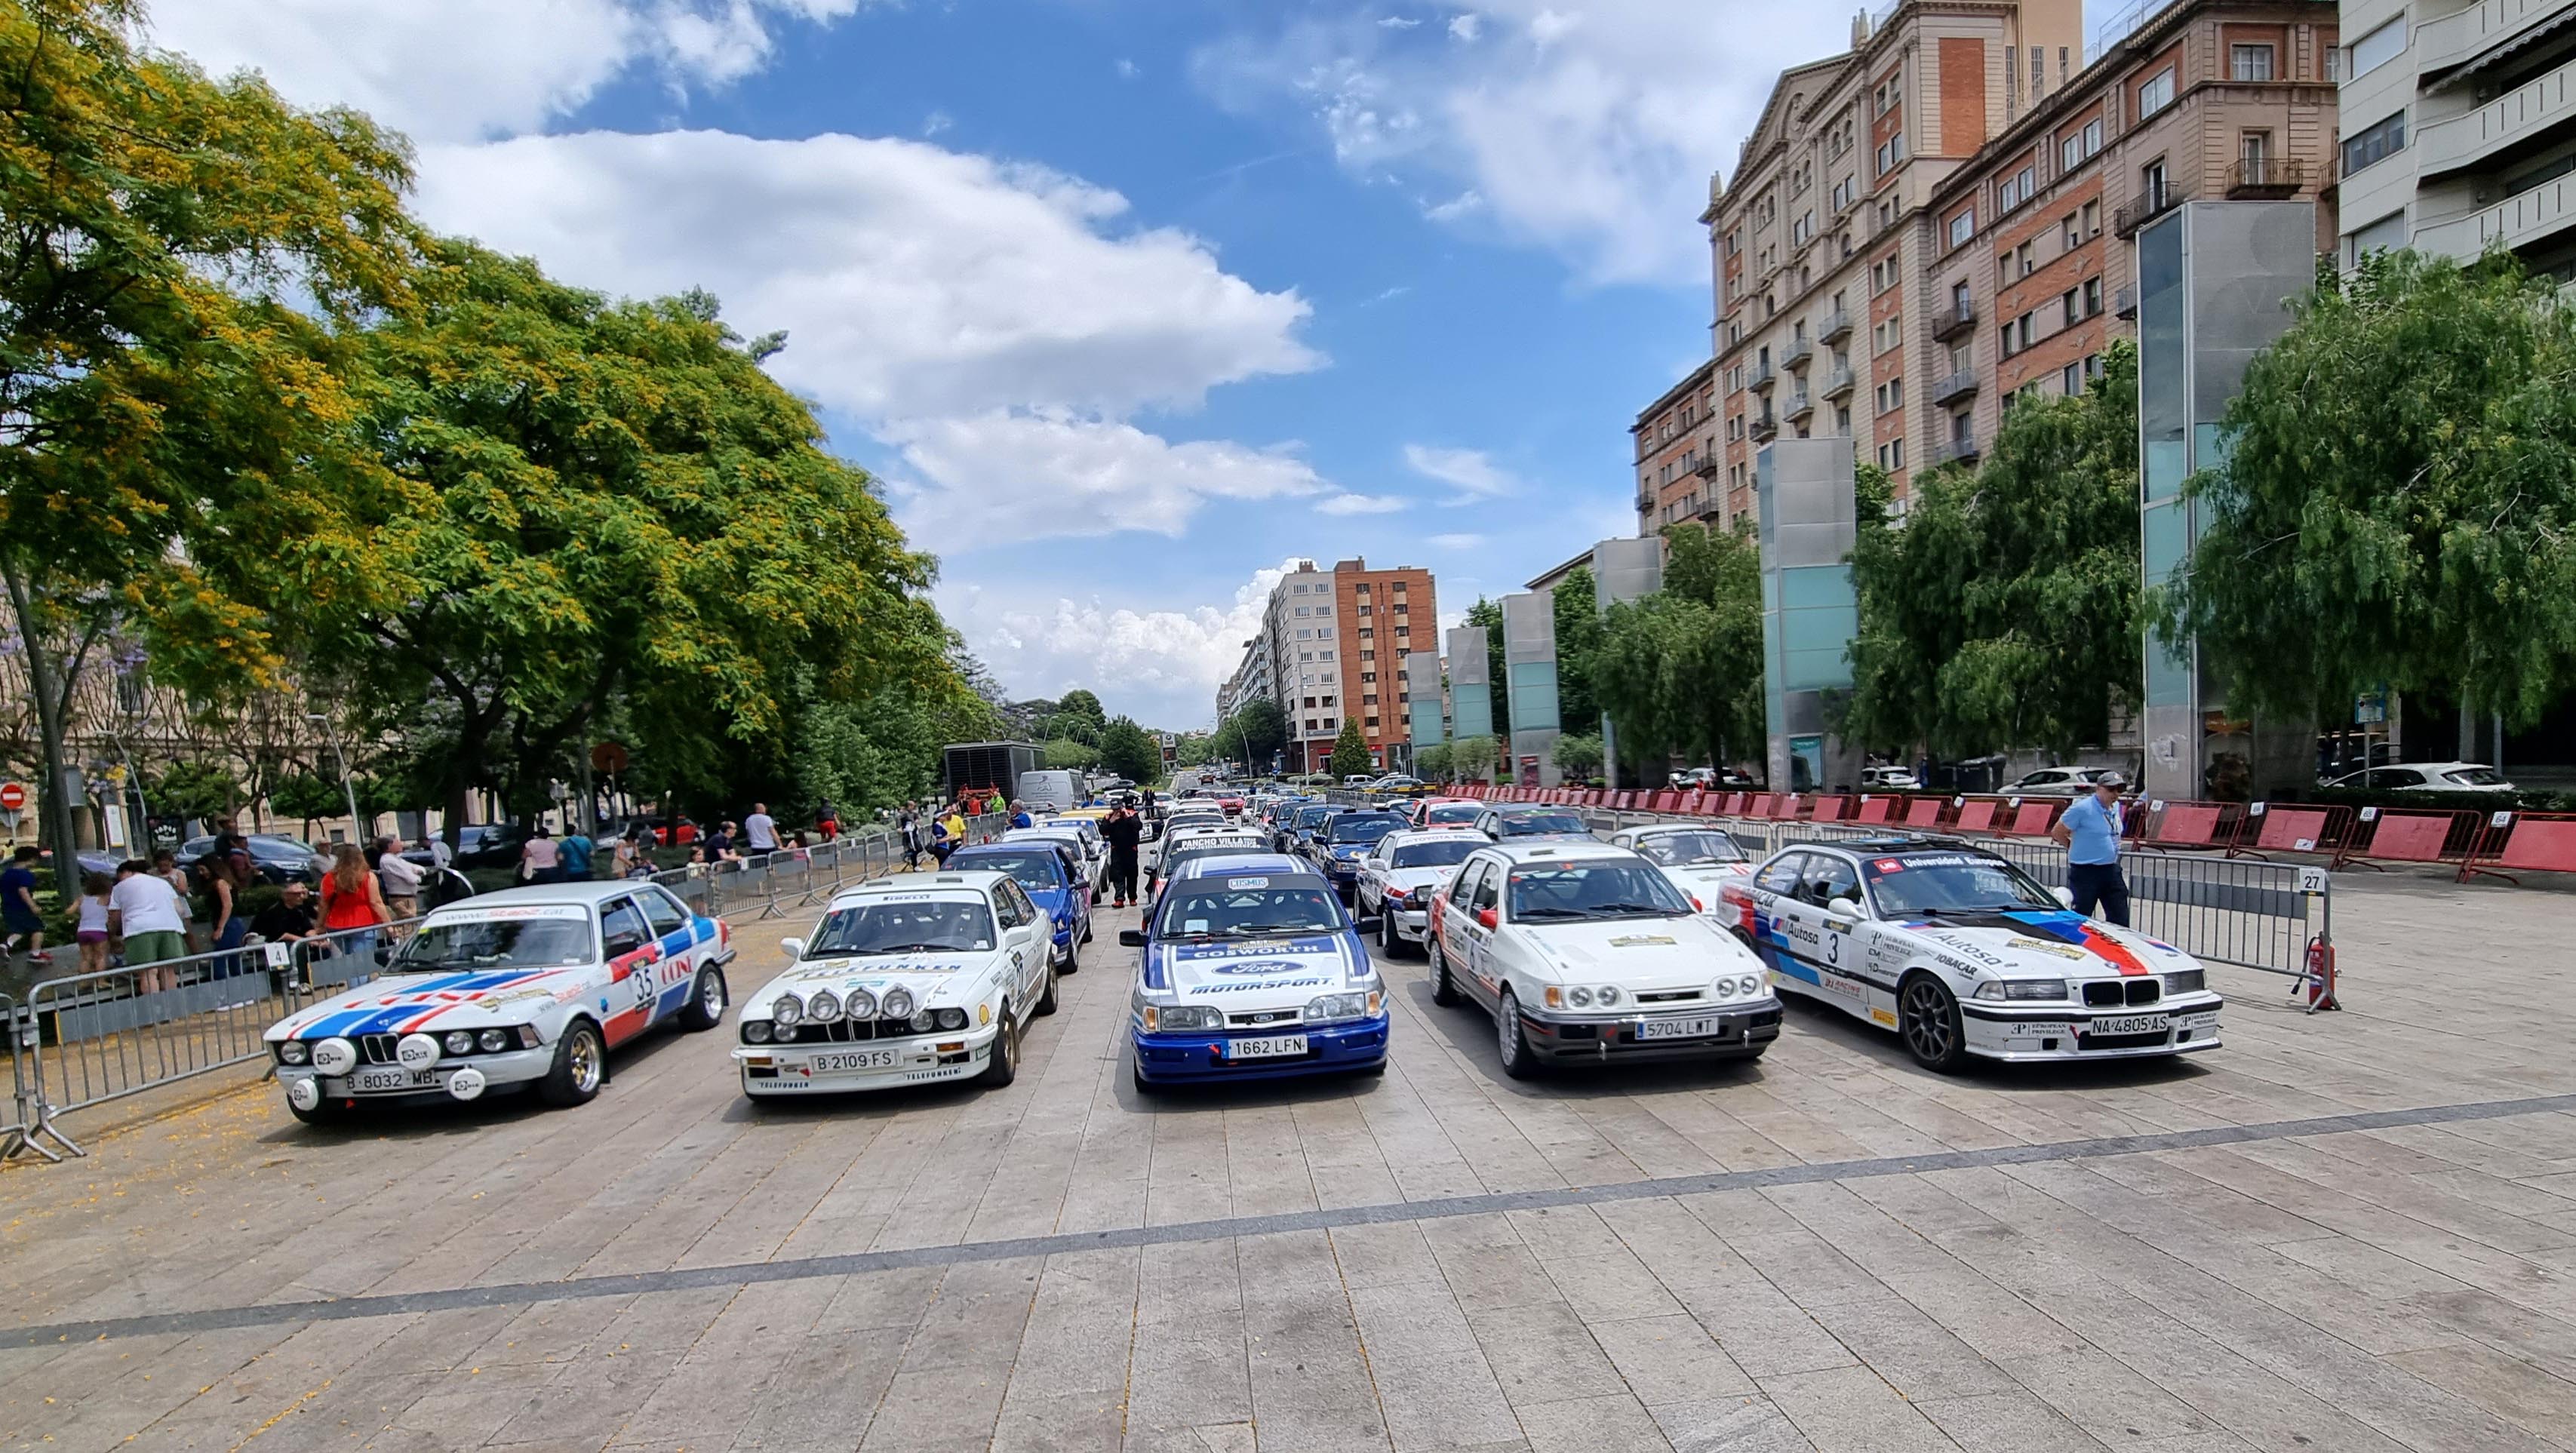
(357, 829)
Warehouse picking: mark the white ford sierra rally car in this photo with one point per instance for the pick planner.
(1962, 954)
(906, 981)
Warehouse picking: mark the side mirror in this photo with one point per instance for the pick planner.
(795, 947)
(1131, 938)
(1487, 918)
(1366, 926)
(1843, 908)
(619, 948)
(2066, 896)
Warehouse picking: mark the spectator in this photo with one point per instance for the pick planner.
(91, 930)
(827, 820)
(1020, 814)
(227, 874)
(956, 821)
(632, 857)
(165, 866)
(353, 906)
(290, 918)
(574, 854)
(143, 922)
(397, 877)
(539, 860)
(942, 843)
(18, 911)
(760, 830)
(2089, 830)
(911, 835)
(719, 844)
(441, 854)
(1124, 832)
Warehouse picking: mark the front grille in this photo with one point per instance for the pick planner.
(1670, 996)
(380, 1049)
(1261, 1018)
(853, 1031)
(2120, 1041)
(2112, 993)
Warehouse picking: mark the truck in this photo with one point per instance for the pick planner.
(986, 769)
(1050, 791)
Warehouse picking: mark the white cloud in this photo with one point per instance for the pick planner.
(1471, 471)
(1162, 666)
(1465, 204)
(1397, 22)
(1457, 542)
(1590, 131)
(1127, 69)
(937, 122)
(459, 69)
(1361, 504)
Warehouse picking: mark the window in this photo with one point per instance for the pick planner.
(1963, 227)
(2074, 232)
(1890, 153)
(2092, 297)
(2078, 146)
(2379, 47)
(2375, 142)
(1891, 395)
(2385, 235)
(2151, 182)
(2155, 93)
(2093, 219)
(2334, 62)
(2070, 303)
(2070, 379)
(1891, 455)
(2016, 189)
(2249, 62)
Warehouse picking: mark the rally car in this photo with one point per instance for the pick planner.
(905, 981)
(1699, 858)
(1252, 970)
(1452, 812)
(1093, 849)
(1400, 877)
(524, 988)
(1345, 838)
(1963, 954)
(1586, 954)
(1052, 877)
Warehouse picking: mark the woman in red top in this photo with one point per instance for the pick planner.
(351, 900)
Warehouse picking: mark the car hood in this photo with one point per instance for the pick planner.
(2044, 944)
(1054, 902)
(1702, 880)
(399, 1004)
(1641, 953)
(1414, 879)
(934, 979)
(1263, 974)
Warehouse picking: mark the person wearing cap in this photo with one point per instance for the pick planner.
(2090, 830)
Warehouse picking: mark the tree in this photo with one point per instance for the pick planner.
(1436, 762)
(1064, 755)
(1127, 749)
(1489, 615)
(1350, 752)
(178, 254)
(2002, 611)
(1578, 755)
(1578, 642)
(1473, 758)
(306, 796)
(1681, 669)
(202, 788)
(2397, 500)
(1084, 705)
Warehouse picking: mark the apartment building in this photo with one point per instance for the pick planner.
(1337, 641)
(1815, 241)
(2460, 129)
(2029, 269)
(1677, 451)
(1251, 680)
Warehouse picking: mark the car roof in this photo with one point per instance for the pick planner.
(1530, 809)
(579, 894)
(1015, 849)
(1899, 845)
(1554, 849)
(977, 883)
(1268, 865)
(1441, 835)
(1649, 829)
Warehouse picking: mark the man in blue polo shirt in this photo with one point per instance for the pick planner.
(2089, 830)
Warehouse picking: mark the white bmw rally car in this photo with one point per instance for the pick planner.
(1962, 954)
(1400, 877)
(1699, 858)
(906, 981)
(525, 987)
(1586, 953)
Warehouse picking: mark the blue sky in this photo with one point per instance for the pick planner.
(1126, 301)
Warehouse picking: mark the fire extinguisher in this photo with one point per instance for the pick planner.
(2319, 977)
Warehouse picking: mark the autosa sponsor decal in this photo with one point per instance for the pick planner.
(2041, 946)
(1963, 946)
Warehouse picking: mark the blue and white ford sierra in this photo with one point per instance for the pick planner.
(1252, 970)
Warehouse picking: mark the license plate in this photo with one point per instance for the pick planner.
(1677, 1028)
(388, 1077)
(1271, 1047)
(857, 1059)
(2133, 1024)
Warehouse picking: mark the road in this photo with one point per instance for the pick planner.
(2351, 1231)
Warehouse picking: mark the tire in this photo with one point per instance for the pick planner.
(1073, 955)
(706, 1006)
(1136, 1077)
(1519, 1061)
(328, 1112)
(580, 1067)
(1086, 936)
(1004, 1066)
(1444, 990)
(1387, 942)
(1927, 1019)
(1372, 1072)
(1046, 1001)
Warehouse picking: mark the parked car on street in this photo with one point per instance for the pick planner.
(1049, 875)
(1401, 875)
(274, 857)
(2429, 777)
(1698, 858)
(1518, 820)
(2057, 782)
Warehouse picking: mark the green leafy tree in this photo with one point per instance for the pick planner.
(178, 257)
(1490, 615)
(202, 788)
(1680, 669)
(1578, 755)
(2001, 613)
(1472, 758)
(1350, 752)
(2398, 500)
(1126, 749)
(1084, 706)
(1578, 644)
(307, 796)
(1435, 763)
(1063, 755)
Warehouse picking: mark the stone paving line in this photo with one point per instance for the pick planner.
(2357, 1231)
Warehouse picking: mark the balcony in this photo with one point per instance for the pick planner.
(1837, 324)
(2456, 40)
(1645, 500)
(1762, 376)
(2124, 303)
(2519, 222)
(1800, 407)
(1800, 350)
(1838, 383)
(2265, 178)
(1954, 451)
(1957, 386)
(1957, 316)
(2143, 210)
(1709, 464)
(1765, 428)
(2520, 116)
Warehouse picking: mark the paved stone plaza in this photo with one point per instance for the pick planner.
(2352, 1231)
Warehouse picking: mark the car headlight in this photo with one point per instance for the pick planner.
(862, 1005)
(293, 1052)
(897, 1004)
(1184, 1017)
(786, 1033)
(1579, 996)
(2022, 989)
(949, 1018)
(755, 1031)
(458, 1041)
(1738, 986)
(789, 1011)
(1330, 1008)
(2186, 981)
(1608, 995)
(923, 1021)
(493, 1041)
(825, 1006)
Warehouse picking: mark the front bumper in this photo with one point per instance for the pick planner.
(1201, 1058)
(506, 1070)
(2017, 1035)
(825, 1068)
(1743, 1027)
(1408, 923)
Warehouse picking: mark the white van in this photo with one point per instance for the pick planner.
(1043, 792)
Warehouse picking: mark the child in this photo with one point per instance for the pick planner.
(92, 932)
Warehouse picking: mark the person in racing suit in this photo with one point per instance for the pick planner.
(1123, 832)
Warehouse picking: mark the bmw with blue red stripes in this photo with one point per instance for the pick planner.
(1965, 955)
(1252, 969)
(528, 988)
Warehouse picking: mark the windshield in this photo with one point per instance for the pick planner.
(2478, 777)
(1447, 852)
(1569, 891)
(1537, 824)
(1953, 883)
(953, 925)
(1252, 906)
(1455, 812)
(1675, 849)
(1363, 829)
(1038, 872)
(1309, 816)
(516, 943)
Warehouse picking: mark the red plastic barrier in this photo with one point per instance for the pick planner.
(2032, 818)
(1923, 813)
(1829, 809)
(2401, 835)
(2289, 828)
(2190, 825)
(2524, 842)
(1731, 805)
(1664, 801)
(1976, 815)
(1875, 807)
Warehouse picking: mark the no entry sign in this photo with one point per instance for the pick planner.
(13, 796)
